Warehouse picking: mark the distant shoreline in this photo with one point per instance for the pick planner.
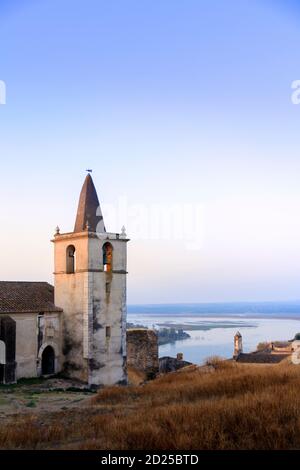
(251, 316)
(289, 310)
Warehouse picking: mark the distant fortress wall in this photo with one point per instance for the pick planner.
(142, 351)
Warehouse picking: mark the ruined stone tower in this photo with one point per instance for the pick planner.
(238, 344)
(90, 287)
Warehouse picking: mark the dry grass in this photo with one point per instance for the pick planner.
(135, 377)
(227, 406)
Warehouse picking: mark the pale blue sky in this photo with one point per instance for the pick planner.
(169, 102)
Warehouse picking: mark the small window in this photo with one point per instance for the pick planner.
(71, 260)
(107, 257)
(108, 332)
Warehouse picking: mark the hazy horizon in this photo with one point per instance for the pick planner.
(262, 309)
(220, 302)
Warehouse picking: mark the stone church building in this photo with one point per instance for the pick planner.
(77, 327)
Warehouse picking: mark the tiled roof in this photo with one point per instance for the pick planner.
(261, 358)
(27, 297)
(282, 344)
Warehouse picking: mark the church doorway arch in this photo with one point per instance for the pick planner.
(48, 361)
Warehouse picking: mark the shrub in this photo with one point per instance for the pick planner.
(214, 361)
(262, 346)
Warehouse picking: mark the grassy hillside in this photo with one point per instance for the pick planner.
(228, 406)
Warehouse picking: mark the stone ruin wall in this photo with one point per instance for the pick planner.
(142, 351)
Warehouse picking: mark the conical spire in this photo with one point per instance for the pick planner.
(89, 216)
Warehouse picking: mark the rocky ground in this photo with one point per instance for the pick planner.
(38, 395)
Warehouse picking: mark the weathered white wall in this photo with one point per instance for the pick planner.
(27, 341)
(26, 344)
(71, 295)
(296, 345)
(89, 309)
(108, 365)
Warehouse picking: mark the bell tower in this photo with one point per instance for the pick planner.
(90, 287)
